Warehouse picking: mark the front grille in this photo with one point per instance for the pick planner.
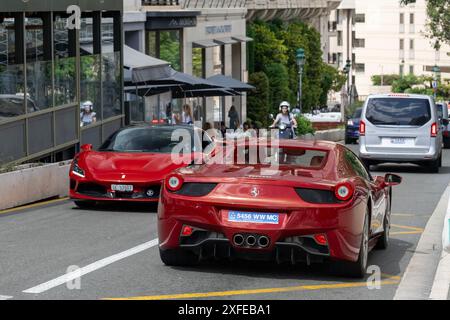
(91, 189)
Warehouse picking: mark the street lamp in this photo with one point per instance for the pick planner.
(347, 70)
(300, 57)
(437, 74)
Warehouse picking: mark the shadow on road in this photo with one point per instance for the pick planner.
(387, 260)
(122, 207)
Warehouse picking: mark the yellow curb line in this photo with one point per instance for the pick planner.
(34, 205)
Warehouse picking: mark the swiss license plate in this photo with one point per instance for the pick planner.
(122, 187)
(253, 217)
(398, 140)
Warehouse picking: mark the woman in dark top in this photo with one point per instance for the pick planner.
(234, 118)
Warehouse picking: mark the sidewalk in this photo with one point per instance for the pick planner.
(428, 273)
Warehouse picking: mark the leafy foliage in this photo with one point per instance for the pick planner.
(304, 126)
(274, 53)
(388, 79)
(258, 100)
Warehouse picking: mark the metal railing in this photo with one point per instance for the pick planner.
(161, 2)
(213, 3)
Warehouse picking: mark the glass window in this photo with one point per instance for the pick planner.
(356, 165)
(90, 111)
(170, 47)
(198, 62)
(402, 18)
(11, 72)
(39, 62)
(65, 63)
(152, 48)
(398, 111)
(111, 76)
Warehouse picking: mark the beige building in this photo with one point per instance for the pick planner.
(383, 37)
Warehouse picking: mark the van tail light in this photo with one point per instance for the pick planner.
(362, 128)
(434, 129)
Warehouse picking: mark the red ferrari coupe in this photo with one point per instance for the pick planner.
(319, 204)
(131, 164)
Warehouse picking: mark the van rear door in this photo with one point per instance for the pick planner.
(398, 124)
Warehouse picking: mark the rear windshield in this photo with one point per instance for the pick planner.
(398, 111)
(357, 114)
(297, 157)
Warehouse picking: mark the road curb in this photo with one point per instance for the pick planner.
(418, 279)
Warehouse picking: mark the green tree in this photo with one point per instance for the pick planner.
(258, 100)
(438, 23)
(404, 83)
(266, 48)
(388, 79)
(332, 79)
(279, 85)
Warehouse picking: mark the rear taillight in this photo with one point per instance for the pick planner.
(344, 191)
(434, 129)
(362, 128)
(174, 182)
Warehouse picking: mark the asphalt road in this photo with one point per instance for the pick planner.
(42, 243)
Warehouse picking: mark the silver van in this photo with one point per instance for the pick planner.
(400, 128)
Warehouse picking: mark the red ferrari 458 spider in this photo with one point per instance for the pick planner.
(318, 204)
(131, 164)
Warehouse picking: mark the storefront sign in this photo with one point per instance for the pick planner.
(219, 29)
(161, 23)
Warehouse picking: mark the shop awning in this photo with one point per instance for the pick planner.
(227, 40)
(229, 82)
(204, 44)
(143, 67)
(213, 92)
(242, 38)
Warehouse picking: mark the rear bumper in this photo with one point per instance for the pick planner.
(395, 156)
(352, 132)
(342, 227)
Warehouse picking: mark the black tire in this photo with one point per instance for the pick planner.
(358, 268)
(85, 204)
(447, 143)
(179, 257)
(383, 240)
(433, 166)
(348, 140)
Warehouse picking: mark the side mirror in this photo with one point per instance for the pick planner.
(86, 147)
(392, 179)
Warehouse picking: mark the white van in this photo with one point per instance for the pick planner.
(400, 128)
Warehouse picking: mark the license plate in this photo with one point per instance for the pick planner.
(253, 217)
(122, 187)
(398, 140)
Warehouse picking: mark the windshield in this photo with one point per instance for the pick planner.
(357, 114)
(152, 140)
(398, 111)
(297, 157)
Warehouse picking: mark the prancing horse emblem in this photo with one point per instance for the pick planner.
(254, 192)
(124, 176)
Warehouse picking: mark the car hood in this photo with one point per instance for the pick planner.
(127, 166)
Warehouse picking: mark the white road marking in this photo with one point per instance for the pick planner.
(91, 267)
(441, 284)
(5, 297)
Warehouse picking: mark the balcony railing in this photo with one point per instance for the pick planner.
(206, 4)
(161, 2)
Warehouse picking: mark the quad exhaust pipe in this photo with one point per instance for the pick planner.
(250, 240)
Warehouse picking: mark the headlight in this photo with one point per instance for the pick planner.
(349, 122)
(76, 170)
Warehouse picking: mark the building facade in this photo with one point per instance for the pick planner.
(387, 38)
(49, 68)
